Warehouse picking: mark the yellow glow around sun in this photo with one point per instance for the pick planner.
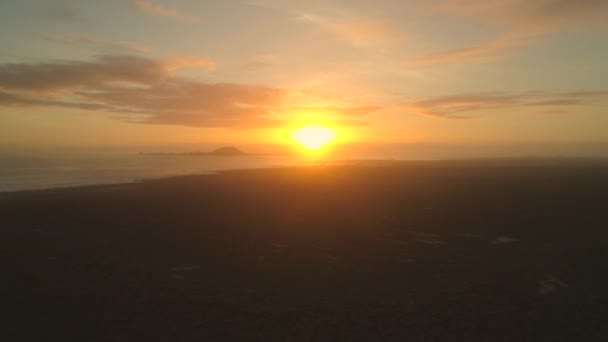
(314, 137)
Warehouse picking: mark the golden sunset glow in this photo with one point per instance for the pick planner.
(306, 170)
(314, 137)
(190, 76)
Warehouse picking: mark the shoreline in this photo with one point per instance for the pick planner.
(345, 162)
(417, 251)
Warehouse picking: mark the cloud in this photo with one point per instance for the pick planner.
(63, 13)
(163, 11)
(55, 76)
(357, 31)
(463, 106)
(140, 90)
(539, 16)
(525, 22)
(262, 61)
(100, 43)
(484, 52)
(337, 110)
(183, 61)
(350, 123)
(105, 70)
(183, 102)
(555, 112)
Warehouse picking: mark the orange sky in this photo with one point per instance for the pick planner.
(179, 72)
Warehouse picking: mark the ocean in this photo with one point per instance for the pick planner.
(27, 172)
(53, 169)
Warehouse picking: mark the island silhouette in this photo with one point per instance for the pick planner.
(226, 151)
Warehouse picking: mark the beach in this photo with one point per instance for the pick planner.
(470, 250)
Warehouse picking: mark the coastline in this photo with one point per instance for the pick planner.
(124, 171)
(411, 250)
(345, 162)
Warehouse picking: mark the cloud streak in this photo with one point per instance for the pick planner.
(525, 22)
(340, 110)
(484, 52)
(100, 43)
(356, 31)
(185, 61)
(63, 13)
(162, 11)
(464, 106)
(540, 16)
(144, 90)
(262, 61)
(141, 90)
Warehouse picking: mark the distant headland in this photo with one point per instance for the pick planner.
(226, 151)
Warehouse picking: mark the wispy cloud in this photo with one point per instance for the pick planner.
(524, 22)
(62, 12)
(357, 31)
(350, 123)
(184, 61)
(144, 90)
(141, 90)
(540, 16)
(262, 61)
(99, 43)
(52, 77)
(488, 51)
(339, 110)
(464, 106)
(162, 11)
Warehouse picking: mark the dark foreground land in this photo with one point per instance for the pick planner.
(414, 251)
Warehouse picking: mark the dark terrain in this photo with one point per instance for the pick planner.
(414, 251)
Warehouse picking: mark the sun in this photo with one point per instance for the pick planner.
(314, 137)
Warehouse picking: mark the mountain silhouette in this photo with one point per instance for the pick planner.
(226, 151)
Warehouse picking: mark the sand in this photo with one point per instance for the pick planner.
(494, 250)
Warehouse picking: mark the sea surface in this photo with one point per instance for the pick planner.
(33, 170)
(53, 168)
(41, 172)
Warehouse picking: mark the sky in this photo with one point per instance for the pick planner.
(137, 72)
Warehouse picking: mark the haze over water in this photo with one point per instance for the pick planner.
(60, 168)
